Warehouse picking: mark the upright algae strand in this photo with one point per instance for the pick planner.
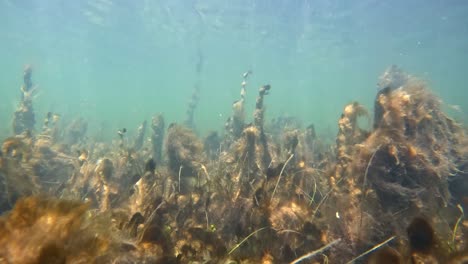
(24, 117)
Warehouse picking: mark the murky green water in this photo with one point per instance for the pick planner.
(117, 63)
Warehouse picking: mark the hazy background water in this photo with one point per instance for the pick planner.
(117, 62)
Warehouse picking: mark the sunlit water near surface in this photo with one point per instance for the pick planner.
(116, 63)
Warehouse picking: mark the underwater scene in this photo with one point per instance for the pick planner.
(233, 132)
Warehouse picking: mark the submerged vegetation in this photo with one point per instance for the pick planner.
(264, 192)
